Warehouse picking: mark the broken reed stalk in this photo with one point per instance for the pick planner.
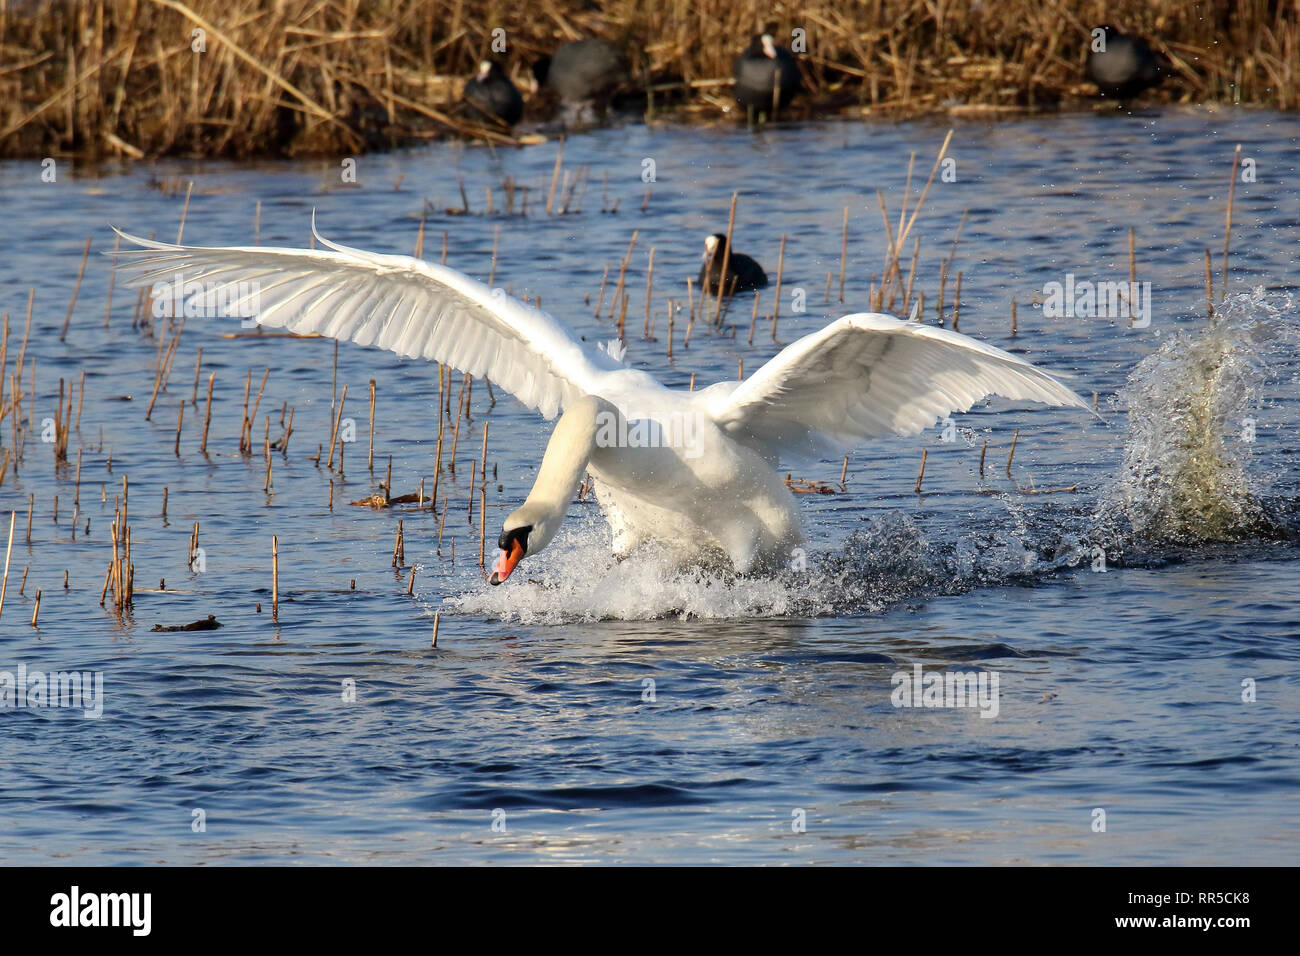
(288, 433)
(370, 456)
(1013, 318)
(911, 276)
(334, 431)
(622, 273)
(437, 617)
(1014, 439)
(9, 552)
(76, 290)
(921, 474)
(600, 301)
(256, 405)
(943, 287)
(649, 283)
(726, 258)
(776, 302)
(441, 521)
(956, 304)
(672, 322)
(243, 421)
(437, 468)
(460, 412)
(185, 210)
(469, 508)
(180, 417)
(207, 415)
(844, 470)
(36, 608)
(399, 547)
(164, 368)
(482, 523)
(753, 318)
(983, 451)
(275, 577)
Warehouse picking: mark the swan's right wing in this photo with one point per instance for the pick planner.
(869, 376)
(408, 306)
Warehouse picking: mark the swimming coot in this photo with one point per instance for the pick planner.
(491, 96)
(743, 273)
(1125, 66)
(582, 71)
(762, 69)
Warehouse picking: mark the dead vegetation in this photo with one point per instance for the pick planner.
(241, 78)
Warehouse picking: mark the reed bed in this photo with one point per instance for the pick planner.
(142, 78)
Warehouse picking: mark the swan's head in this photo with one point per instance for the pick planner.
(524, 533)
(769, 45)
(514, 545)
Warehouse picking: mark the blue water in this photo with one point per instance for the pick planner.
(1120, 691)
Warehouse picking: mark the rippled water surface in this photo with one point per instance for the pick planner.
(634, 711)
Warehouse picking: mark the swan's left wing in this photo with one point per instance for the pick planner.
(408, 306)
(869, 376)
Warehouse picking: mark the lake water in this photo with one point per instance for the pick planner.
(635, 712)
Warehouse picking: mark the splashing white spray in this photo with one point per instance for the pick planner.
(1185, 476)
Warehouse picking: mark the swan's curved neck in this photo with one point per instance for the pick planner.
(567, 454)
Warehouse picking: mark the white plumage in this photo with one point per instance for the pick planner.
(709, 477)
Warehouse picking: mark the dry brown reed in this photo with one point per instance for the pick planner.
(122, 77)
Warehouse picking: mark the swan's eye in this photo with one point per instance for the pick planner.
(514, 534)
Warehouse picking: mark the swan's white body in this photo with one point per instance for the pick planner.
(705, 474)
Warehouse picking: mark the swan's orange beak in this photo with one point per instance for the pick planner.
(506, 562)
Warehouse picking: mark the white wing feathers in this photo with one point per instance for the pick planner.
(414, 308)
(868, 376)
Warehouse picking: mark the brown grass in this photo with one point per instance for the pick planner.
(119, 77)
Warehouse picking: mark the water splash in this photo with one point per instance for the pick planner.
(1186, 476)
(889, 560)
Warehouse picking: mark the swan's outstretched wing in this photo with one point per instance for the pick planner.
(408, 306)
(868, 376)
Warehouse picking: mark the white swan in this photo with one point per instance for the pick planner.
(697, 470)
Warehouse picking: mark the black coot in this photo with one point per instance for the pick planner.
(491, 95)
(583, 71)
(743, 273)
(763, 68)
(1125, 68)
